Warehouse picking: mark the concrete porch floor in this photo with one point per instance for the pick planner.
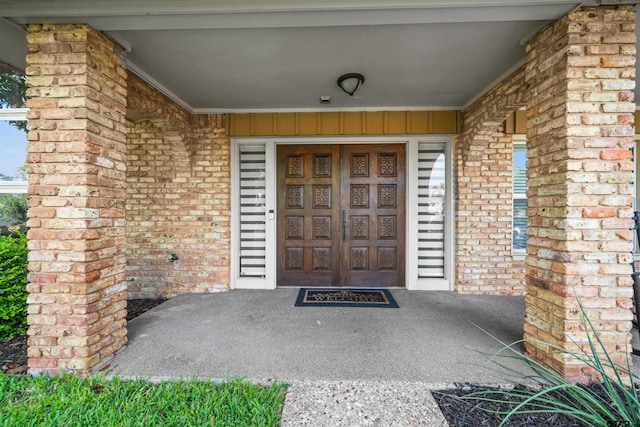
(260, 335)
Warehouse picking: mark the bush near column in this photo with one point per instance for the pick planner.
(13, 282)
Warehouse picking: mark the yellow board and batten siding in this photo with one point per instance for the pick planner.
(345, 123)
(363, 123)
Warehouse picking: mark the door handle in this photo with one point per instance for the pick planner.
(345, 224)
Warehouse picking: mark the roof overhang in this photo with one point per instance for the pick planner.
(282, 55)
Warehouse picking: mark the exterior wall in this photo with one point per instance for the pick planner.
(178, 197)
(76, 164)
(484, 263)
(580, 75)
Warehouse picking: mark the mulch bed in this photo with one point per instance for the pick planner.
(13, 352)
(470, 414)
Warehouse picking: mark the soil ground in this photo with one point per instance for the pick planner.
(474, 414)
(13, 352)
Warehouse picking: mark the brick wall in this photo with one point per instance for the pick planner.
(580, 75)
(178, 197)
(76, 166)
(484, 263)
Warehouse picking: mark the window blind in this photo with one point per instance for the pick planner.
(252, 211)
(431, 208)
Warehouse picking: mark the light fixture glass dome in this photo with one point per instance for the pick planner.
(350, 82)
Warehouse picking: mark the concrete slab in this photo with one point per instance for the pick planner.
(259, 335)
(361, 403)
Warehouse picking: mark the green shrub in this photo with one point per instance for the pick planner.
(13, 283)
(13, 209)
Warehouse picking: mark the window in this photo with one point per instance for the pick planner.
(12, 88)
(252, 210)
(636, 164)
(519, 197)
(13, 147)
(636, 194)
(431, 210)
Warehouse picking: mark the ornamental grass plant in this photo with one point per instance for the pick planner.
(612, 401)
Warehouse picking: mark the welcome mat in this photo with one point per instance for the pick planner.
(318, 297)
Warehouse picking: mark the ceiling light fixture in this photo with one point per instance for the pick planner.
(350, 82)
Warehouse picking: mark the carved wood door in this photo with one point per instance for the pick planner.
(373, 196)
(341, 215)
(308, 215)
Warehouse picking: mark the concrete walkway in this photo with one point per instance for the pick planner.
(261, 335)
(327, 354)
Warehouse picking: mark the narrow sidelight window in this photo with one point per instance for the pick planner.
(431, 209)
(252, 211)
(519, 197)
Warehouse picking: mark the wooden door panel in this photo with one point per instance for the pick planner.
(373, 192)
(308, 203)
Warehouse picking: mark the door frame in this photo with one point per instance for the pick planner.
(412, 282)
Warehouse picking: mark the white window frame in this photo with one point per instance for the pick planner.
(518, 141)
(636, 161)
(13, 187)
(411, 243)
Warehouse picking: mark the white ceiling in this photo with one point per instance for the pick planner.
(235, 55)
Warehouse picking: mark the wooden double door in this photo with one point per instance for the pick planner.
(341, 215)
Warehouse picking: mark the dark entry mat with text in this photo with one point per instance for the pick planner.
(317, 297)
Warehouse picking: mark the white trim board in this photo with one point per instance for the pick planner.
(14, 187)
(13, 114)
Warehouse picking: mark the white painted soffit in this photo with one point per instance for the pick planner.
(124, 16)
(205, 14)
(114, 7)
(13, 44)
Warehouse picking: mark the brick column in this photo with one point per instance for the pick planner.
(76, 166)
(580, 78)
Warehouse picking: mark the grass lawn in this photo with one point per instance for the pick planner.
(96, 401)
